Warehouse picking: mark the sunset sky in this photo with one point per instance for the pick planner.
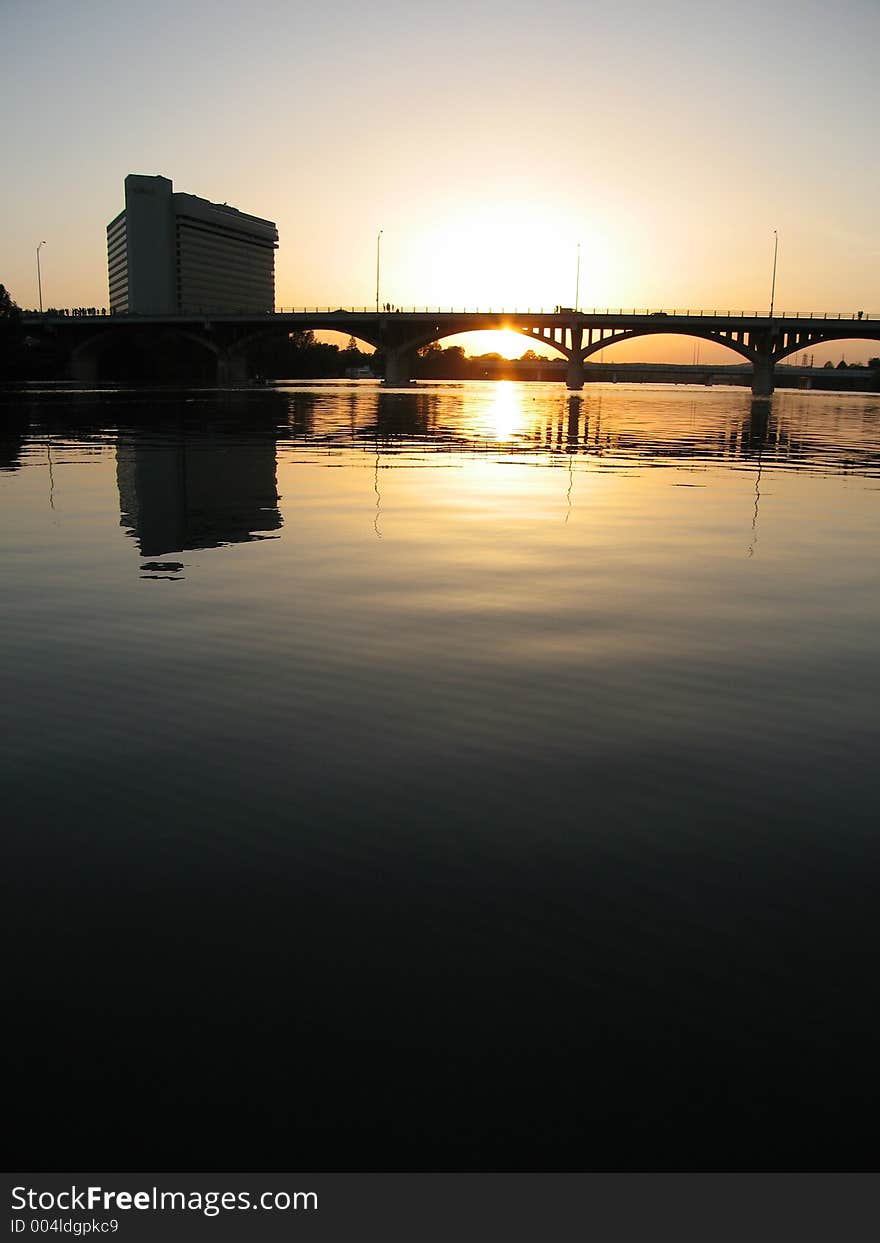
(486, 141)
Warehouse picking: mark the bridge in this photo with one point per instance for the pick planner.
(399, 334)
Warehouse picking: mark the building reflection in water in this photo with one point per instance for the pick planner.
(183, 489)
(13, 428)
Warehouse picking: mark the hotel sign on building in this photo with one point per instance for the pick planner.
(173, 253)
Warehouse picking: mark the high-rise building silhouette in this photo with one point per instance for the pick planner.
(169, 253)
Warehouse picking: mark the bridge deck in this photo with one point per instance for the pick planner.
(558, 316)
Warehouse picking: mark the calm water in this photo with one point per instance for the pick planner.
(472, 777)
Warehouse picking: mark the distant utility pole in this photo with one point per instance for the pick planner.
(773, 282)
(378, 240)
(577, 279)
(39, 279)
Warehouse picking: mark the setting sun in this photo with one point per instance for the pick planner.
(507, 255)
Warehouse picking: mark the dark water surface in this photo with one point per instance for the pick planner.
(471, 777)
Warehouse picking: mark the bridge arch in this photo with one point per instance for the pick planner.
(524, 331)
(451, 331)
(239, 347)
(736, 347)
(84, 359)
(348, 333)
(810, 341)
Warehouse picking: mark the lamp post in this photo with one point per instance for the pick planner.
(577, 279)
(39, 280)
(773, 283)
(378, 240)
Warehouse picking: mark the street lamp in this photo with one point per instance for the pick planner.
(773, 283)
(577, 279)
(39, 281)
(378, 240)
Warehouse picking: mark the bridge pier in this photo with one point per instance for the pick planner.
(574, 375)
(398, 367)
(83, 367)
(762, 376)
(231, 369)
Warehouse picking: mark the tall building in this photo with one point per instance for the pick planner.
(171, 253)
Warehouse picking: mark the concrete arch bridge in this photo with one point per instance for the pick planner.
(576, 335)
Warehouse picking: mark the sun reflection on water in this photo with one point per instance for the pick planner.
(506, 416)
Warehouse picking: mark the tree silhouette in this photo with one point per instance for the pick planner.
(8, 309)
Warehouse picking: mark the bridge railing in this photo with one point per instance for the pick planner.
(645, 312)
(563, 310)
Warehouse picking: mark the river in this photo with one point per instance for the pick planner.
(463, 778)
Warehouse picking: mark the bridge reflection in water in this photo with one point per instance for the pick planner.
(190, 482)
(607, 424)
(201, 474)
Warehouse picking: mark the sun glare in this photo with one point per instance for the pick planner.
(507, 344)
(510, 256)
